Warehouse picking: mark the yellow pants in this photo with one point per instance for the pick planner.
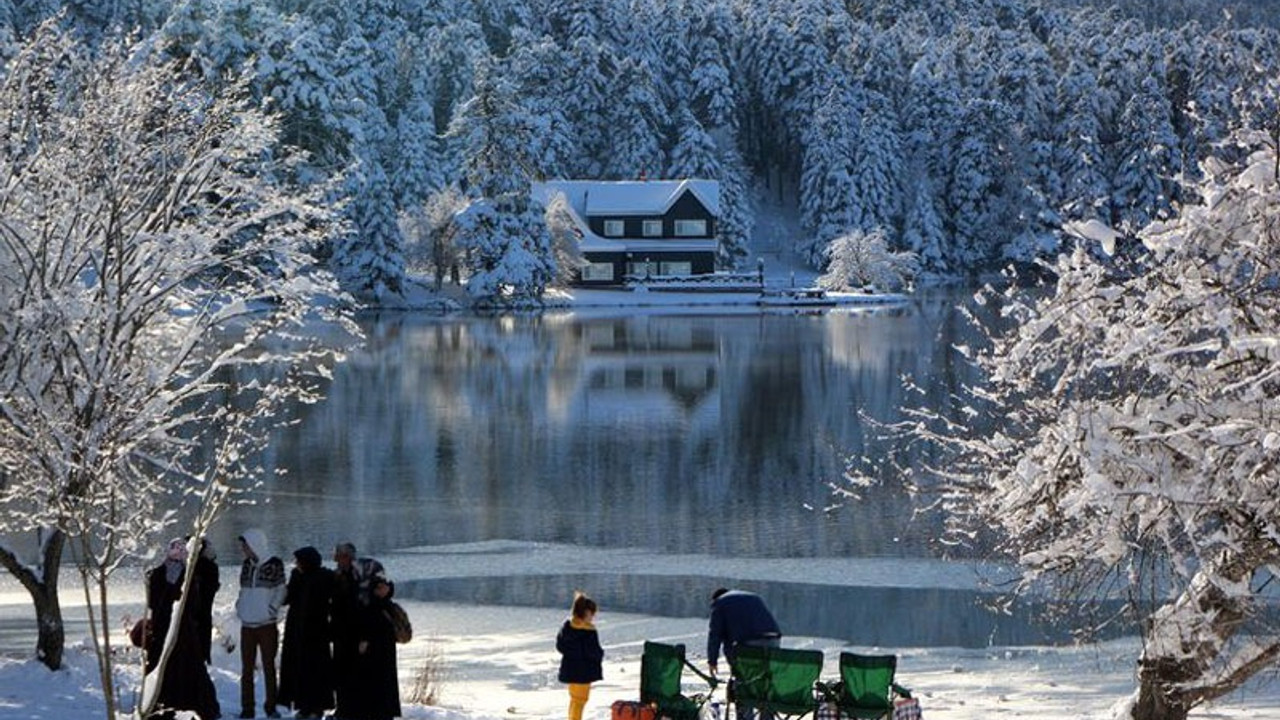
(578, 694)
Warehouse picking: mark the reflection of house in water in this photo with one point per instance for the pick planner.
(651, 367)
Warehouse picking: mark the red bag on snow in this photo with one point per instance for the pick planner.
(632, 710)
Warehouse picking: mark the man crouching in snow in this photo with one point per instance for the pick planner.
(262, 589)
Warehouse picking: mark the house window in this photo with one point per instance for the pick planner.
(676, 268)
(653, 228)
(597, 272)
(691, 228)
(613, 228)
(642, 269)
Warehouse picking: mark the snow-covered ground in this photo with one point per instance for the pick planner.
(500, 662)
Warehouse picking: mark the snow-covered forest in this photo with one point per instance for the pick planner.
(965, 131)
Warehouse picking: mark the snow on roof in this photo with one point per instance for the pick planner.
(629, 197)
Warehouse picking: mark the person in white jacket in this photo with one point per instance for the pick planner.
(262, 590)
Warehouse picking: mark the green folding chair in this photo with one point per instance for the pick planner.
(661, 667)
(866, 688)
(779, 681)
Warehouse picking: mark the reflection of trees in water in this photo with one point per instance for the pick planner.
(689, 433)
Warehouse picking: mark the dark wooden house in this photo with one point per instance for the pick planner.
(640, 228)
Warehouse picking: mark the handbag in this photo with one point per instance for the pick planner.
(400, 624)
(140, 634)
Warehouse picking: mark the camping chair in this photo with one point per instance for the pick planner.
(776, 680)
(660, 668)
(866, 687)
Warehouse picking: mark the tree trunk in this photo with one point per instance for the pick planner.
(42, 583)
(1156, 700)
(1187, 639)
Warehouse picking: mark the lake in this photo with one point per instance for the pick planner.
(646, 457)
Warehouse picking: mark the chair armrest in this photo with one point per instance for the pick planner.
(901, 691)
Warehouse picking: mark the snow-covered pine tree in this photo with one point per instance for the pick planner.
(694, 154)
(535, 66)
(415, 166)
(588, 75)
(711, 82)
(737, 215)
(1078, 153)
(829, 205)
(298, 77)
(368, 258)
(1143, 186)
(979, 203)
(636, 122)
(877, 169)
(923, 232)
(503, 233)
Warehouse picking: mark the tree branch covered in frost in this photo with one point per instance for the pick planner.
(1133, 449)
(156, 296)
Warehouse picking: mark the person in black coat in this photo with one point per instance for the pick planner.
(306, 667)
(207, 575)
(352, 580)
(377, 673)
(185, 684)
(581, 657)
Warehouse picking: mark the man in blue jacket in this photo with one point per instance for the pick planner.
(739, 618)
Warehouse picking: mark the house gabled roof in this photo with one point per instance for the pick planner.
(591, 198)
(640, 197)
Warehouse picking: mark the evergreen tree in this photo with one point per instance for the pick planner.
(536, 67)
(636, 124)
(737, 217)
(1078, 154)
(877, 169)
(414, 161)
(588, 75)
(924, 233)
(694, 154)
(1141, 190)
(504, 233)
(979, 204)
(369, 260)
(298, 76)
(710, 80)
(828, 195)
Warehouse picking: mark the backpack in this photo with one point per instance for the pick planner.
(400, 624)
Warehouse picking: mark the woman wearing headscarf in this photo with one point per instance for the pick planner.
(378, 678)
(306, 667)
(185, 683)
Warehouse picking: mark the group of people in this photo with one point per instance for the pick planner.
(738, 618)
(339, 648)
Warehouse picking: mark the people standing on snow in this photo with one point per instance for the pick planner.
(739, 618)
(262, 590)
(185, 683)
(581, 656)
(306, 667)
(378, 677)
(352, 593)
(206, 569)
